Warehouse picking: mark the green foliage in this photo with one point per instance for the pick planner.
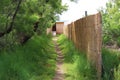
(107, 40)
(110, 62)
(118, 41)
(76, 64)
(30, 15)
(33, 61)
(117, 73)
(111, 23)
(111, 36)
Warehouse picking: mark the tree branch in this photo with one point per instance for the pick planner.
(12, 22)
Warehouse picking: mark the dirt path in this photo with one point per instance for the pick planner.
(59, 71)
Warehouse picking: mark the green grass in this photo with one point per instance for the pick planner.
(111, 60)
(34, 61)
(117, 73)
(75, 65)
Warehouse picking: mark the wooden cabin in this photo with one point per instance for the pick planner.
(57, 28)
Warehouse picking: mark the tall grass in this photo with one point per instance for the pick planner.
(76, 65)
(33, 61)
(117, 73)
(111, 60)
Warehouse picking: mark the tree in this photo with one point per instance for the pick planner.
(111, 23)
(21, 19)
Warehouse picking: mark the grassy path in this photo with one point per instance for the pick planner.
(59, 71)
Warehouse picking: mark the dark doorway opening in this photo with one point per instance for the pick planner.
(54, 27)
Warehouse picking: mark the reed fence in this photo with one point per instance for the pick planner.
(86, 35)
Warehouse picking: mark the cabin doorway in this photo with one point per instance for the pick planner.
(54, 30)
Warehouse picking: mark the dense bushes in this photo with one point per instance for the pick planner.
(76, 65)
(33, 61)
(111, 23)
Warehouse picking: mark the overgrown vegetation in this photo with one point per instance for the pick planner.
(111, 60)
(111, 40)
(111, 23)
(22, 19)
(26, 53)
(34, 61)
(76, 65)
